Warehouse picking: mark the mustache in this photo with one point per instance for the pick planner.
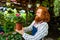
(37, 19)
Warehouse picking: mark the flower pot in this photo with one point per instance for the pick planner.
(18, 26)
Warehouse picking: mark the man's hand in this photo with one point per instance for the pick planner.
(20, 31)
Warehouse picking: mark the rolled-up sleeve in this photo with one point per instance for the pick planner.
(29, 28)
(42, 32)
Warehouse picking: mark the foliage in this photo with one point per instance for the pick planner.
(11, 36)
(56, 7)
(8, 19)
(13, 16)
(45, 3)
(30, 18)
(1, 17)
(58, 38)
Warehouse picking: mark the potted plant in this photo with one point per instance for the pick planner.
(12, 19)
(18, 26)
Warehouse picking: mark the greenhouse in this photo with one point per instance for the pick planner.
(29, 19)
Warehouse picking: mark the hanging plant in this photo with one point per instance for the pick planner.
(37, 3)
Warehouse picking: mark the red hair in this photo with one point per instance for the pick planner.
(45, 16)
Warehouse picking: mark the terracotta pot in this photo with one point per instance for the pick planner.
(18, 26)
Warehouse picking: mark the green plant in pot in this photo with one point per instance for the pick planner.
(11, 17)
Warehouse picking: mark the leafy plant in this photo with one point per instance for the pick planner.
(9, 18)
(11, 36)
(45, 3)
(1, 18)
(56, 7)
(13, 16)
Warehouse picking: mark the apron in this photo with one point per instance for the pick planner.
(34, 30)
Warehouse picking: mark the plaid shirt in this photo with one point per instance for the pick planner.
(41, 33)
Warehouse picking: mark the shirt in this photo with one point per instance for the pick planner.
(41, 33)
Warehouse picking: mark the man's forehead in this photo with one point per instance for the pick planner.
(39, 10)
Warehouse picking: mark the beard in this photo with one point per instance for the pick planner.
(37, 19)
